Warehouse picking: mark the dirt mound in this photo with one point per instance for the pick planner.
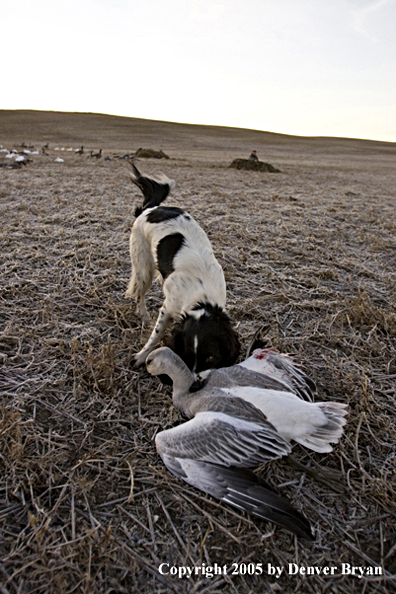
(251, 165)
(150, 154)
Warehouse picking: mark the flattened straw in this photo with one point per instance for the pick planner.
(179, 538)
(202, 544)
(73, 515)
(130, 497)
(329, 478)
(145, 563)
(370, 561)
(210, 517)
(151, 527)
(357, 455)
(134, 518)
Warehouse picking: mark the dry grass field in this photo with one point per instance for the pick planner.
(309, 256)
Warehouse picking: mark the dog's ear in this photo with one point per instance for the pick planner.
(176, 338)
(180, 343)
(230, 345)
(233, 346)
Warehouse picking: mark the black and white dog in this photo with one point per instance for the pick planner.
(167, 241)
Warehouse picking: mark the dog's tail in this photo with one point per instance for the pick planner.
(154, 191)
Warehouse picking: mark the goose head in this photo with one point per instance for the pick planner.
(164, 361)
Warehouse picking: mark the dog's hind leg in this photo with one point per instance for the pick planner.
(143, 268)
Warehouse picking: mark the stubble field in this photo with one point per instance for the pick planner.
(309, 256)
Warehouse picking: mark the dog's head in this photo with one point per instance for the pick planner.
(205, 339)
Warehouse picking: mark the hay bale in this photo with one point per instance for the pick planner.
(150, 154)
(250, 165)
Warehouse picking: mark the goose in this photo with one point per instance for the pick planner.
(79, 151)
(97, 155)
(235, 428)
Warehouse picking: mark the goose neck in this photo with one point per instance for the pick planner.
(182, 379)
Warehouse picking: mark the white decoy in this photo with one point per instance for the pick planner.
(235, 428)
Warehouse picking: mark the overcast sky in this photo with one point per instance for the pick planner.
(306, 67)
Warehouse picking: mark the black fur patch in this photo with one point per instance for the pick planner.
(164, 213)
(218, 344)
(167, 249)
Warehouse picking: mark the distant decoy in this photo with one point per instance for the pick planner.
(234, 428)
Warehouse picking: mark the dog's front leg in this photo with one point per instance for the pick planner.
(160, 326)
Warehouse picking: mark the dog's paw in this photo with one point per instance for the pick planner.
(139, 359)
(143, 314)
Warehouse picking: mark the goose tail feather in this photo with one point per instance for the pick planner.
(328, 433)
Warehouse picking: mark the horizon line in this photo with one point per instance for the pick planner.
(306, 136)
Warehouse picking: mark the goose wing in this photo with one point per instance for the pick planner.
(222, 439)
(282, 368)
(240, 375)
(221, 400)
(240, 488)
